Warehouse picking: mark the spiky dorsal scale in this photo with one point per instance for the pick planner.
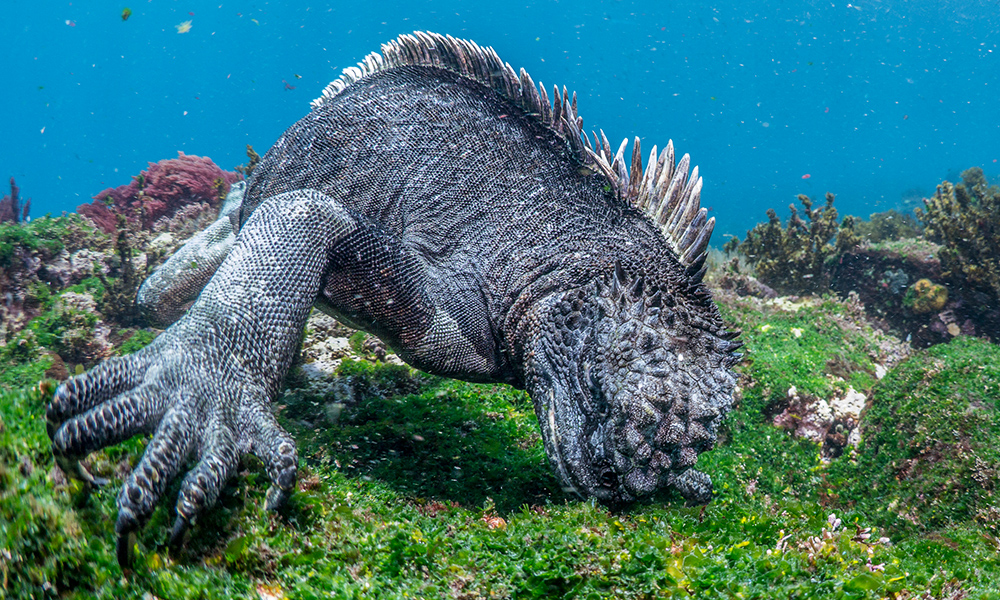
(662, 191)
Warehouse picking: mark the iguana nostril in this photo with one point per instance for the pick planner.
(608, 479)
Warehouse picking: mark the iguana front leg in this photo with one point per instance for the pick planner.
(171, 289)
(204, 385)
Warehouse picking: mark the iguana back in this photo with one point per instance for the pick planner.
(485, 182)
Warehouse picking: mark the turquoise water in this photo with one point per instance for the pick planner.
(875, 101)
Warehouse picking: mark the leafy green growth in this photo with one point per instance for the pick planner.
(13, 235)
(888, 226)
(415, 486)
(814, 345)
(139, 339)
(47, 236)
(90, 285)
(64, 327)
(965, 219)
(796, 259)
(930, 454)
(356, 342)
(17, 371)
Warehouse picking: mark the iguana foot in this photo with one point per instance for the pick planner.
(192, 413)
(204, 386)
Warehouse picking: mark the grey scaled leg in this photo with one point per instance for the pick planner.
(204, 385)
(171, 289)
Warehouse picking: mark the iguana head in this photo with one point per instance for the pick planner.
(629, 387)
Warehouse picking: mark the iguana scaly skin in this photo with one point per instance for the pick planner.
(437, 199)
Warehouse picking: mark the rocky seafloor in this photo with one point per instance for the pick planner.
(861, 460)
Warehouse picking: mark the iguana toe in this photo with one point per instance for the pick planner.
(169, 448)
(97, 409)
(79, 394)
(105, 424)
(272, 445)
(203, 483)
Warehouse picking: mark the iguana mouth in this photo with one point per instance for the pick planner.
(582, 462)
(555, 452)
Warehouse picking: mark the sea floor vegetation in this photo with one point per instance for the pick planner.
(928, 276)
(856, 464)
(415, 486)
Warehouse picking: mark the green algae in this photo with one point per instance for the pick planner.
(929, 455)
(382, 511)
(47, 236)
(820, 346)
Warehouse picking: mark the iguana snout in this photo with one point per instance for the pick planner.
(645, 398)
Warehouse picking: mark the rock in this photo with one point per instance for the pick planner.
(832, 424)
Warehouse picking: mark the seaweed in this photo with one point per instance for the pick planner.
(10, 206)
(119, 300)
(965, 220)
(252, 159)
(796, 259)
(888, 226)
(159, 192)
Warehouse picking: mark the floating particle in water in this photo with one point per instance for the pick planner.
(183, 27)
(765, 124)
(806, 176)
(71, 23)
(126, 13)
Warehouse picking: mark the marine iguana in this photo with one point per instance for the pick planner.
(439, 200)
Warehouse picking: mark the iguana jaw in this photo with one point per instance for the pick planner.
(575, 445)
(574, 428)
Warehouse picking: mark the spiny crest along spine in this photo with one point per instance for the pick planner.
(663, 190)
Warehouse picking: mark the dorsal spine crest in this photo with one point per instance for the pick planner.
(662, 191)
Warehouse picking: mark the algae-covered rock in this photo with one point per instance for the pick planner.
(925, 296)
(965, 219)
(887, 226)
(930, 451)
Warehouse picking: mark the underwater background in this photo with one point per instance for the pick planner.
(862, 457)
(875, 101)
